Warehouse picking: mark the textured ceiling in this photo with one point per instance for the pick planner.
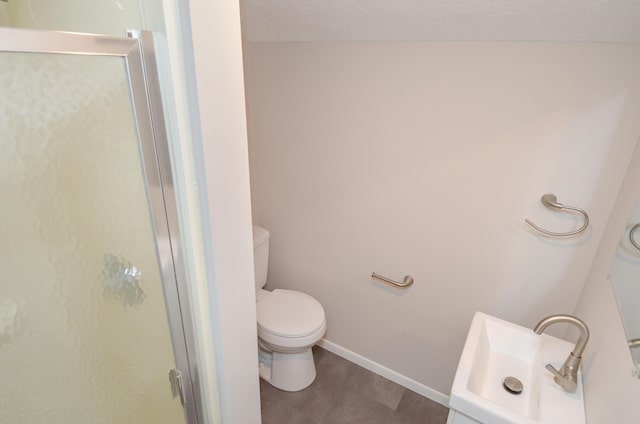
(381, 20)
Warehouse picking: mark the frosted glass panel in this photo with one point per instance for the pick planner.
(84, 336)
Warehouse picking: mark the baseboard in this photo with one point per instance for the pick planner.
(385, 372)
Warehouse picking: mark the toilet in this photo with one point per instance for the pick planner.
(289, 324)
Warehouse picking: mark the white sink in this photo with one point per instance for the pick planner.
(496, 349)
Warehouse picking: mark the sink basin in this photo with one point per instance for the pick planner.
(496, 349)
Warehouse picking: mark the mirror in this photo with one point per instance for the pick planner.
(625, 277)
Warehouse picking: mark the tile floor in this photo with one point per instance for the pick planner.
(347, 393)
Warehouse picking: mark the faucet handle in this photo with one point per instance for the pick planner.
(567, 382)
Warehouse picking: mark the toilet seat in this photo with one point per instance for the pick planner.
(290, 318)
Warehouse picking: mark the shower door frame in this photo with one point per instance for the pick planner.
(138, 54)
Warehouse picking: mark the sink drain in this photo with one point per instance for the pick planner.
(512, 385)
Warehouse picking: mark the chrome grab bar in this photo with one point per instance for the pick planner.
(551, 201)
(633, 343)
(406, 282)
(631, 232)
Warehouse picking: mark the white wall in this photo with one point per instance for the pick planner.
(611, 393)
(424, 159)
(218, 72)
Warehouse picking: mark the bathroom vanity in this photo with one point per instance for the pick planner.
(497, 350)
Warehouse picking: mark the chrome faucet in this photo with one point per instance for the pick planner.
(567, 377)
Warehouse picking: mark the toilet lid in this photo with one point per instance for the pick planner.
(288, 313)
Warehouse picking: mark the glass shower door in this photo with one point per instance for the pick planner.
(84, 330)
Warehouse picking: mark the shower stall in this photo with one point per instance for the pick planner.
(94, 315)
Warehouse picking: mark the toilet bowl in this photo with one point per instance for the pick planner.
(289, 323)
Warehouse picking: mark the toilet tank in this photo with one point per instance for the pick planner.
(260, 255)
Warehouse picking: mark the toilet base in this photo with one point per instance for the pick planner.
(290, 372)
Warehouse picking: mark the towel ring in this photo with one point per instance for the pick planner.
(551, 201)
(631, 233)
